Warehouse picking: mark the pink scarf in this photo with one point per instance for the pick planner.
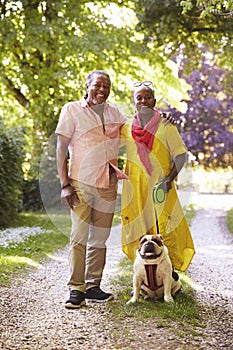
(144, 138)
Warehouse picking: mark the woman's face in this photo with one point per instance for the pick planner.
(98, 90)
(144, 97)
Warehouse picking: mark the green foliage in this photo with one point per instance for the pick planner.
(208, 8)
(190, 213)
(49, 184)
(31, 219)
(230, 220)
(47, 48)
(21, 257)
(117, 214)
(171, 25)
(11, 158)
(31, 197)
(53, 47)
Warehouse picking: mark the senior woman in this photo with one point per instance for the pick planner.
(155, 153)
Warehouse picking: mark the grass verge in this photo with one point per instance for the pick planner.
(22, 257)
(19, 257)
(183, 316)
(230, 220)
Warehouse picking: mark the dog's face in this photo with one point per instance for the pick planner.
(150, 246)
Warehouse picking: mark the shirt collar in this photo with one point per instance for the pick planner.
(84, 103)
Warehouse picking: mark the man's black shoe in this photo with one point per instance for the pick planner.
(97, 295)
(76, 300)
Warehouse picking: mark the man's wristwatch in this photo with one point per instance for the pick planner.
(67, 185)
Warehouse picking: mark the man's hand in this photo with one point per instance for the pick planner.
(69, 198)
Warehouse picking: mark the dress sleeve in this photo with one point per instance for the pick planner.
(124, 134)
(175, 143)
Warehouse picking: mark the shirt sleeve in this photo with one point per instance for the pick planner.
(175, 143)
(65, 124)
(119, 116)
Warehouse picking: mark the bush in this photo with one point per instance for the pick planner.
(42, 190)
(31, 196)
(11, 174)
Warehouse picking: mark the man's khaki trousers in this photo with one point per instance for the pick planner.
(91, 225)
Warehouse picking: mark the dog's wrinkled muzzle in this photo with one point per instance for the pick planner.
(148, 251)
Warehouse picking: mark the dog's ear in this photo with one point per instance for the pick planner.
(140, 242)
(160, 236)
(158, 239)
(141, 237)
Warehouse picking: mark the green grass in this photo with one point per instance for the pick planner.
(182, 316)
(117, 215)
(20, 257)
(230, 220)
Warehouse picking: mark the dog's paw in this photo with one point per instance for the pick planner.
(168, 299)
(131, 301)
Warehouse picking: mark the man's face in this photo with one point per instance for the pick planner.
(98, 90)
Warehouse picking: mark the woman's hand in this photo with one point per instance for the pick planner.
(169, 120)
(176, 168)
(168, 183)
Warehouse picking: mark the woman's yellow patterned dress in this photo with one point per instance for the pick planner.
(138, 209)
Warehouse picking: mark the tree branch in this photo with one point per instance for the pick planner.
(23, 101)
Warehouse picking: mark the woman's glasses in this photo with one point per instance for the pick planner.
(145, 83)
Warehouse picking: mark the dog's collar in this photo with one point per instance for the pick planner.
(154, 256)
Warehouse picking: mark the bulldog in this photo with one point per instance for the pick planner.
(153, 274)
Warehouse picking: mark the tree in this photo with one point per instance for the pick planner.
(46, 50)
(173, 24)
(48, 47)
(11, 158)
(207, 125)
(183, 29)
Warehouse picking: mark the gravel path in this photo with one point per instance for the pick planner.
(212, 276)
(32, 313)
